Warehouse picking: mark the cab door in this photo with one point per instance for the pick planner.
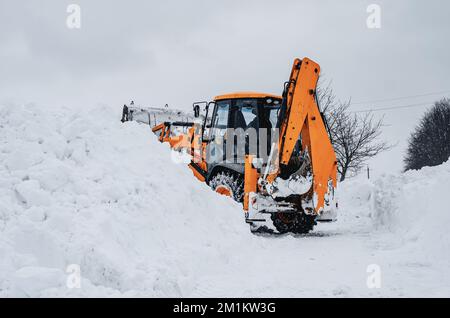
(215, 150)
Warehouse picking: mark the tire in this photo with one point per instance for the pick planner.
(228, 183)
(297, 223)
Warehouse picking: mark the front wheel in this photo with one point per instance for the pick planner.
(229, 184)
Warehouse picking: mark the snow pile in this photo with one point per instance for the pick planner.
(355, 199)
(411, 210)
(81, 188)
(415, 207)
(81, 192)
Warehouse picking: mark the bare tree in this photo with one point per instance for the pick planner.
(330, 107)
(429, 144)
(354, 136)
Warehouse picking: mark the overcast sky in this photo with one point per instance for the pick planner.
(177, 52)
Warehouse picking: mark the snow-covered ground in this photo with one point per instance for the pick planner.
(79, 187)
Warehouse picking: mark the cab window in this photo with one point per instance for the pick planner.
(220, 121)
(244, 114)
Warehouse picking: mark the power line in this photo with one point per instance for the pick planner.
(399, 98)
(392, 108)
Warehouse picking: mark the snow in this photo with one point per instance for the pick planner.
(78, 187)
(415, 207)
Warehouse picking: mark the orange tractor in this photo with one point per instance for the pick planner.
(272, 153)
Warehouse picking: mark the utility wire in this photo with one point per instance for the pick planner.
(398, 98)
(392, 108)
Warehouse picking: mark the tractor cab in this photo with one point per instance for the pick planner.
(237, 125)
(245, 110)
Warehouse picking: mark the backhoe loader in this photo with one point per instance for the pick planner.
(270, 152)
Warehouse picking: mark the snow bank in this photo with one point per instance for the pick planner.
(81, 188)
(415, 206)
(81, 192)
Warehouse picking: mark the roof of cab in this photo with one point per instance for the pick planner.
(246, 95)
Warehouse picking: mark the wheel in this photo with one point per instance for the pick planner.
(297, 223)
(229, 184)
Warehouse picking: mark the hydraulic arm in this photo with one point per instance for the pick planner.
(301, 120)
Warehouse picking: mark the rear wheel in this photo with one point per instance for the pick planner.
(229, 184)
(298, 223)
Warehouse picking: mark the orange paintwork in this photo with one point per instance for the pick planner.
(303, 118)
(250, 180)
(164, 134)
(223, 190)
(246, 95)
(196, 174)
(179, 142)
